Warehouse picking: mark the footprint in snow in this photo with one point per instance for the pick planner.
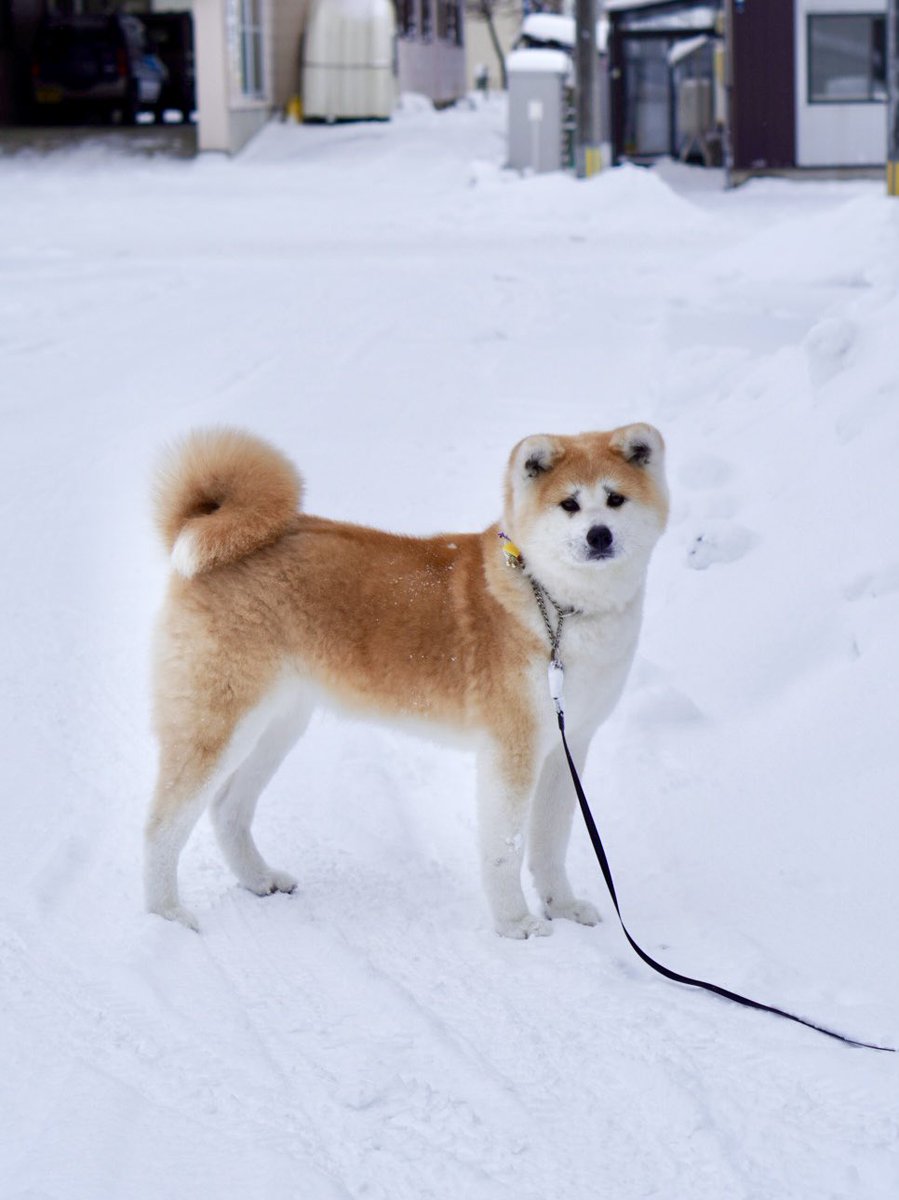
(720, 540)
(719, 544)
(827, 346)
(872, 584)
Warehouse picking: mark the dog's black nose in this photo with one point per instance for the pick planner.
(599, 538)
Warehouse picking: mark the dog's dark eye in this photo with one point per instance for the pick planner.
(570, 505)
(615, 500)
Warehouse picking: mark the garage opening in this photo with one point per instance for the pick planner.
(70, 65)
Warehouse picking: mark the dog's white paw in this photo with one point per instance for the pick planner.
(527, 926)
(273, 881)
(581, 911)
(180, 915)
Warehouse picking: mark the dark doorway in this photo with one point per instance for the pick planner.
(643, 82)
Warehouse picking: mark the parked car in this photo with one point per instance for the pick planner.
(96, 66)
(170, 35)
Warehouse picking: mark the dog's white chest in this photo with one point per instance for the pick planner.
(596, 653)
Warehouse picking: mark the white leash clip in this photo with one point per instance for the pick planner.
(556, 676)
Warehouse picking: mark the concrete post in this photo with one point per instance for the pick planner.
(586, 142)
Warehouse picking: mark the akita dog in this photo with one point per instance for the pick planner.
(270, 610)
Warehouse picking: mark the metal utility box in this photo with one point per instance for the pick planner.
(539, 109)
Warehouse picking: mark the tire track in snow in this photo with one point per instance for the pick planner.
(145, 1036)
(352, 1035)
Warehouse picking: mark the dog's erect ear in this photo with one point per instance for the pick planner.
(640, 444)
(532, 459)
(535, 456)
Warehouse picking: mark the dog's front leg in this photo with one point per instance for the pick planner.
(505, 784)
(551, 814)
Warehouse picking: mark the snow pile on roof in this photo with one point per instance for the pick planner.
(555, 62)
(560, 30)
(549, 27)
(684, 48)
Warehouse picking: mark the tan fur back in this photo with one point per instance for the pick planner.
(221, 494)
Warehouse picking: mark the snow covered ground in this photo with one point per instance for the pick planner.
(395, 310)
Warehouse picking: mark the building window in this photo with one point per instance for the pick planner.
(449, 21)
(427, 21)
(647, 97)
(846, 58)
(405, 18)
(252, 77)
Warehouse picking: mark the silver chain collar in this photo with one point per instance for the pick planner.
(515, 559)
(555, 635)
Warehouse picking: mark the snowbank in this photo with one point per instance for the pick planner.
(396, 311)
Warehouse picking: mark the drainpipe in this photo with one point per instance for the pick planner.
(893, 97)
(728, 67)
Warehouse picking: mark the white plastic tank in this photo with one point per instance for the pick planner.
(349, 60)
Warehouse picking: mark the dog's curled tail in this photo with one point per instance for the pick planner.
(221, 494)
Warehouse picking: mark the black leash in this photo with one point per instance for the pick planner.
(602, 858)
(556, 680)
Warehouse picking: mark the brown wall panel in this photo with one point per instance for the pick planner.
(763, 112)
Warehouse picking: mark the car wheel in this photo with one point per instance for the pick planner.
(130, 107)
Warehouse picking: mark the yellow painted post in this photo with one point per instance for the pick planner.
(593, 161)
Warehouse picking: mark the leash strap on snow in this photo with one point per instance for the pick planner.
(555, 672)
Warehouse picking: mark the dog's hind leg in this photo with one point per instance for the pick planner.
(185, 786)
(234, 806)
(208, 759)
(505, 783)
(551, 815)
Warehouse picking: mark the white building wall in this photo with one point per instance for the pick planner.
(435, 69)
(479, 48)
(226, 118)
(835, 134)
(289, 18)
